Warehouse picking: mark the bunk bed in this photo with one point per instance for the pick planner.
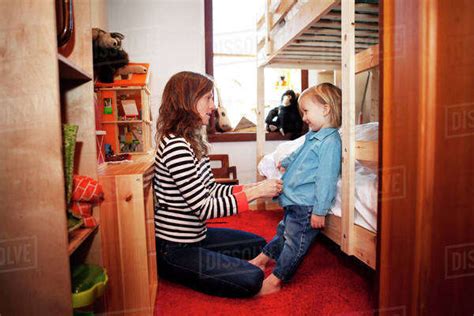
(319, 34)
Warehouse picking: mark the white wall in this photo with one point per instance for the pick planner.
(99, 14)
(168, 34)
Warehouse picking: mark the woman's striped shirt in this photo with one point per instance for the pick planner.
(186, 193)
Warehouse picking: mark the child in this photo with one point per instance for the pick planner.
(309, 185)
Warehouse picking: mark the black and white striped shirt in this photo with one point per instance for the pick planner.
(187, 194)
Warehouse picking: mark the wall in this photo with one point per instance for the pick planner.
(99, 14)
(168, 34)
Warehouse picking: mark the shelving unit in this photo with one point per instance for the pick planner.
(44, 89)
(124, 113)
(68, 70)
(77, 237)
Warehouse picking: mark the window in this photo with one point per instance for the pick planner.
(234, 64)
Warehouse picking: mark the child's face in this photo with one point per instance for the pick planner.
(205, 106)
(314, 113)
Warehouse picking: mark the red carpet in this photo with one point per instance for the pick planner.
(326, 283)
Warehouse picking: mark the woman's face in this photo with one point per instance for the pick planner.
(205, 106)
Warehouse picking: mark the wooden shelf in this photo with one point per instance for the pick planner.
(70, 71)
(126, 122)
(77, 237)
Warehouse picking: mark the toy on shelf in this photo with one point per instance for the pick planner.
(124, 112)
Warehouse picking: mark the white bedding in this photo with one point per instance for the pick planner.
(365, 180)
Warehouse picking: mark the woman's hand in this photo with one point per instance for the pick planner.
(317, 221)
(249, 185)
(266, 188)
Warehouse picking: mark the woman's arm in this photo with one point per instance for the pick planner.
(178, 158)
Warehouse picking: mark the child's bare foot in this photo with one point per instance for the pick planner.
(271, 284)
(260, 261)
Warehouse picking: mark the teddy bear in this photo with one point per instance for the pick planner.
(285, 118)
(108, 54)
(109, 57)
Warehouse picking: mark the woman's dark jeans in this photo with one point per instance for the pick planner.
(216, 265)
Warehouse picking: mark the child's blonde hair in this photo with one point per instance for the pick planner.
(326, 93)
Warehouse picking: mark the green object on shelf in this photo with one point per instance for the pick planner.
(69, 138)
(73, 223)
(88, 283)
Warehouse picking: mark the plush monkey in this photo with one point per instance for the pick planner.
(108, 54)
(285, 118)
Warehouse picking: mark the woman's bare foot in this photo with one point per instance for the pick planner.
(271, 284)
(260, 261)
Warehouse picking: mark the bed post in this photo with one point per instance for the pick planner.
(268, 29)
(348, 124)
(260, 125)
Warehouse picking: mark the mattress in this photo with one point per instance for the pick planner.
(365, 177)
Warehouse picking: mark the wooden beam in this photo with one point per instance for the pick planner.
(304, 79)
(326, 45)
(260, 125)
(313, 49)
(367, 59)
(348, 125)
(359, 33)
(309, 13)
(335, 39)
(359, 17)
(374, 94)
(281, 11)
(208, 37)
(260, 115)
(297, 64)
(337, 25)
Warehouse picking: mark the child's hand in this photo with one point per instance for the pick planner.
(280, 168)
(317, 221)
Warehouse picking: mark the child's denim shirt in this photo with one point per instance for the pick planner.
(312, 172)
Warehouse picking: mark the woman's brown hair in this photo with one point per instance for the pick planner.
(178, 114)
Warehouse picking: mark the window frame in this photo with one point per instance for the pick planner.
(212, 135)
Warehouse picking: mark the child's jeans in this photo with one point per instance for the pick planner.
(292, 241)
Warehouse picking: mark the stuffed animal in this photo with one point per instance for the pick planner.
(86, 193)
(108, 54)
(285, 118)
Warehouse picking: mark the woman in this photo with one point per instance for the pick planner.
(211, 260)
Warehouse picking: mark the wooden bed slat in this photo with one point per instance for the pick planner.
(364, 240)
(304, 18)
(367, 150)
(359, 17)
(367, 59)
(359, 33)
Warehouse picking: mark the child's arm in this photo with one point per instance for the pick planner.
(286, 162)
(327, 175)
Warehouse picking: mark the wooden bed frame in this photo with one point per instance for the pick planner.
(318, 34)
